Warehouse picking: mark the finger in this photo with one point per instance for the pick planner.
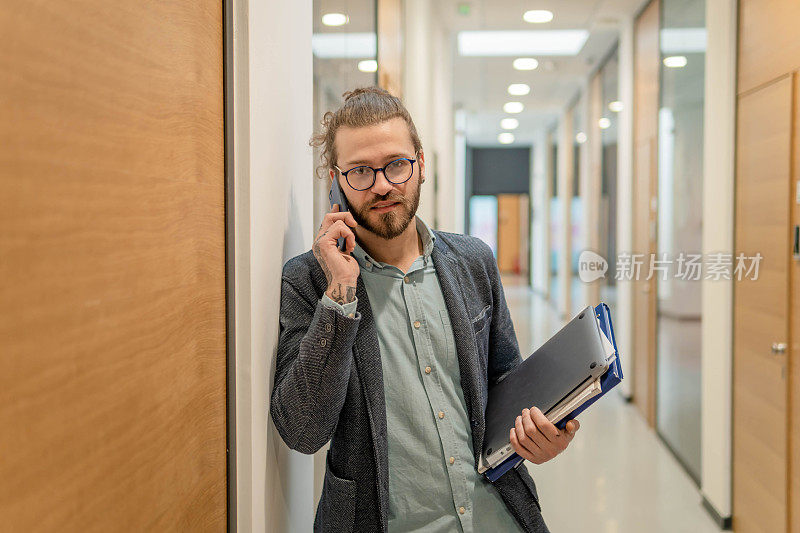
(520, 450)
(544, 425)
(334, 208)
(350, 242)
(350, 220)
(535, 435)
(523, 438)
(572, 427)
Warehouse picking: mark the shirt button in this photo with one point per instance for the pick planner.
(417, 324)
(441, 414)
(352, 315)
(452, 460)
(462, 510)
(328, 328)
(406, 279)
(427, 370)
(323, 343)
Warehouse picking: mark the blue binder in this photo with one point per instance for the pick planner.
(608, 381)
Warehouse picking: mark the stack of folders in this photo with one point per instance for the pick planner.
(577, 401)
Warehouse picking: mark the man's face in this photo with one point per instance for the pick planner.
(385, 209)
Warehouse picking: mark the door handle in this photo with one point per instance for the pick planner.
(778, 347)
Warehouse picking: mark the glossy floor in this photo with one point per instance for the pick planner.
(616, 476)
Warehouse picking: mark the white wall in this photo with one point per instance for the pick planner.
(273, 217)
(718, 220)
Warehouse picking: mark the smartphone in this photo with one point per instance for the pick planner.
(336, 196)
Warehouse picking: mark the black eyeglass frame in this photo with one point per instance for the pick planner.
(375, 173)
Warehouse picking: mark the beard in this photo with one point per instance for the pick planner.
(392, 223)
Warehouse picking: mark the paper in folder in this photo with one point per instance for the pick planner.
(545, 380)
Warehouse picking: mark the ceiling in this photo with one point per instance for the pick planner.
(480, 83)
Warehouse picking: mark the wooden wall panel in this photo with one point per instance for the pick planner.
(647, 62)
(112, 301)
(769, 46)
(760, 460)
(794, 327)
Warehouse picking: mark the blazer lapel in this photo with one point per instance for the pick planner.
(367, 355)
(450, 273)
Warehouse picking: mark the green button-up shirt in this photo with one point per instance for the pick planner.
(433, 484)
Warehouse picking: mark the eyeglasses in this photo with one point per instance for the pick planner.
(362, 177)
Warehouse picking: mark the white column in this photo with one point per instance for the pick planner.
(591, 178)
(623, 313)
(273, 222)
(540, 221)
(718, 222)
(565, 177)
(417, 93)
(460, 171)
(443, 122)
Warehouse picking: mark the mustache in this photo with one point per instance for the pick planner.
(389, 198)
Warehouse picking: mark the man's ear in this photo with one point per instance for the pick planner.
(421, 164)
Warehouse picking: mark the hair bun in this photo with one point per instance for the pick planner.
(365, 90)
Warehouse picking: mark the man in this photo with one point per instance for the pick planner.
(388, 349)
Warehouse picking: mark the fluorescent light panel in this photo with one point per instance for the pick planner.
(516, 43)
(343, 45)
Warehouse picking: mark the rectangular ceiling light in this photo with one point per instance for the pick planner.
(521, 43)
(344, 45)
(683, 40)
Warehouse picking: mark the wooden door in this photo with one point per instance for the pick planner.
(760, 460)
(647, 61)
(112, 299)
(511, 223)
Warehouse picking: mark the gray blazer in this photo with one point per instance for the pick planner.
(329, 383)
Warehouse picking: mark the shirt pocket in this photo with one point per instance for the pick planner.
(449, 344)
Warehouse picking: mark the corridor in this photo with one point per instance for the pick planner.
(617, 476)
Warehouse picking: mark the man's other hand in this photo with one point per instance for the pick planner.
(536, 439)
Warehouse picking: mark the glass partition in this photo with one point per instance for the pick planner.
(679, 227)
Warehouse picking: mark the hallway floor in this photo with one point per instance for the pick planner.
(616, 476)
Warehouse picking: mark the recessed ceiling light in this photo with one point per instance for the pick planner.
(675, 61)
(580, 137)
(616, 106)
(368, 65)
(505, 138)
(513, 107)
(538, 16)
(519, 89)
(521, 43)
(350, 45)
(335, 19)
(604, 123)
(509, 123)
(525, 63)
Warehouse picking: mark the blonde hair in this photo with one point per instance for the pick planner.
(364, 106)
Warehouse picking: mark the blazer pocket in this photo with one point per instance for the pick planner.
(337, 506)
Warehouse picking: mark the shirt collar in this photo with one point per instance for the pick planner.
(425, 233)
